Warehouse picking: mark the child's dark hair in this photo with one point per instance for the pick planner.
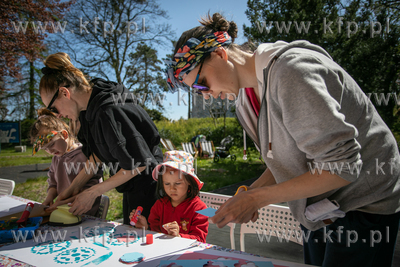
(48, 120)
(193, 189)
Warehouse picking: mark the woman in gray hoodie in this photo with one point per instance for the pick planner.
(328, 152)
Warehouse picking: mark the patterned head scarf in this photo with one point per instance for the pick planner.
(42, 140)
(190, 54)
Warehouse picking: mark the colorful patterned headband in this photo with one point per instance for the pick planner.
(189, 55)
(42, 140)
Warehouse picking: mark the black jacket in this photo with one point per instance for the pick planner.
(122, 135)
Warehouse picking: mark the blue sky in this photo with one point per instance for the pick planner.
(184, 15)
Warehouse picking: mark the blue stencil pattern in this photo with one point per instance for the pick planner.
(74, 255)
(115, 242)
(50, 247)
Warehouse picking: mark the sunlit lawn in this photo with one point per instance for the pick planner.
(8, 157)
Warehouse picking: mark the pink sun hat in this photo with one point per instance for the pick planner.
(179, 160)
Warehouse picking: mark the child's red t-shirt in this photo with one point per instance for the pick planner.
(192, 225)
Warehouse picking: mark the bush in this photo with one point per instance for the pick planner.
(184, 130)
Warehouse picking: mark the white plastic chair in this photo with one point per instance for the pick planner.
(273, 220)
(190, 148)
(6, 186)
(213, 200)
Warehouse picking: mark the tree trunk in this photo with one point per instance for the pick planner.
(32, 111)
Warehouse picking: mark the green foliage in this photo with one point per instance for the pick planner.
(184, 130)
(371, 58)
(155, 115)
(145, 73)
(25, 130)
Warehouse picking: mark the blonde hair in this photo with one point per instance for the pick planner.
(48, 121)
(61, 72)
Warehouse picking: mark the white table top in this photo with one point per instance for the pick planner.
(82, 246)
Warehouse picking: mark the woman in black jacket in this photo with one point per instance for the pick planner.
(117, 134)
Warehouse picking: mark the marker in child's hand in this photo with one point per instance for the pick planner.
(135, 216)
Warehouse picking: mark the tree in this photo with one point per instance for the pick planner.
(106, 32)
(19, 37)
(354, 33)
(145, 74)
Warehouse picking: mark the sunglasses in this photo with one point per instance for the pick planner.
(198, 88)
(53, 109)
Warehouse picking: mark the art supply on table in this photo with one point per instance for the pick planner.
(25, 215)
(8, 227)
(62, 217)
(149, 239)
(134, 218)
(131, 258)
(209, 212)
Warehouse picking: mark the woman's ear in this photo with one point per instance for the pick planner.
(65, 92)
(221, 53)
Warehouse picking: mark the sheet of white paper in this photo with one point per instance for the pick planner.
(82, 246)
(10, 205)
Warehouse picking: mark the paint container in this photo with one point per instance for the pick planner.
(149, 239)
(134, 219)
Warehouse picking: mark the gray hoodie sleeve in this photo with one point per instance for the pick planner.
(308, 93)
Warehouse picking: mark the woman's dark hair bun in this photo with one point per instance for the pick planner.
(217, 22)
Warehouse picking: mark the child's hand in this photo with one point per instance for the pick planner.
(141, 220)
(48, 202)
(172, 228)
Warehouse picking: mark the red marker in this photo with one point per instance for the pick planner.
(134, 219)
(149, 239)
(25, 215)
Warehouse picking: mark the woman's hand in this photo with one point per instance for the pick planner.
(83, 201)
(239, 209)
(142, 221)
(66, 196)
(172, 228)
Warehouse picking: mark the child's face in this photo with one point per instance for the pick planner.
(58, 145)
(175, 185)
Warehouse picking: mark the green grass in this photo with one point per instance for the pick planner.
(214, 175)
(226, 172)
(8, 157)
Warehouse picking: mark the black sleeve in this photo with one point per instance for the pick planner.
(131, 137)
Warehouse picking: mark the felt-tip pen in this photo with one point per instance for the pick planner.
(134, 219)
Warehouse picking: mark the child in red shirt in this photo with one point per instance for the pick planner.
(178, 187)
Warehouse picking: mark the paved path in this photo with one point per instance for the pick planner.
(20, 174)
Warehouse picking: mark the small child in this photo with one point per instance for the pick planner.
(178, 187)
(53, 135)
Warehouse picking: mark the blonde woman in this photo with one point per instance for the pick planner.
(122, 136)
